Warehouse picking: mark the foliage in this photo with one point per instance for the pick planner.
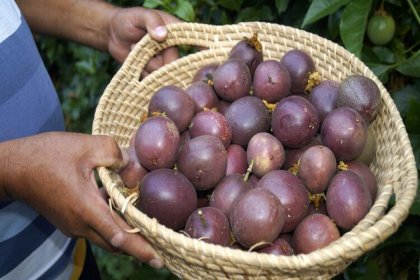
(81, 74)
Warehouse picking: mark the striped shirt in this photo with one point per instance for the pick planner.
(30, 247)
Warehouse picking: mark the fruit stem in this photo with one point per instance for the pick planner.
(254, 42)
(342, 166)
(294, 169)
(316, 199)
(269, 106)
(413, 9)
(209, 79)
(232, 239)
(381, 10)
(143, 117)
(313, 80)
(248, 171)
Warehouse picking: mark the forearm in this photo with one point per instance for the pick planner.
(82, 21)
(9, 152)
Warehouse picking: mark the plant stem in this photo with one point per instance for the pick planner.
(248, 171)
(413, 9)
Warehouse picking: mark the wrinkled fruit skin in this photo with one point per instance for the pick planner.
(361, 94)
(168, 196)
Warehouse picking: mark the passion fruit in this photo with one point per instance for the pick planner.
(361, 94)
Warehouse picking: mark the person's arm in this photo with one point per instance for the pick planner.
(54, 173)
(85, 22)
(98, 24)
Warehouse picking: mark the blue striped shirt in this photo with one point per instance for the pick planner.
(30, 247)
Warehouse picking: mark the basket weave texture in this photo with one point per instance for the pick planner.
(125, 101)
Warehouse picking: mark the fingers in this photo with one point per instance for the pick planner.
(114, 238)
(96, 239)
(143, 74)
(170, 54)
(106, 152)
(155, 22)
(154, 64)
(152, 21)
(166, 56)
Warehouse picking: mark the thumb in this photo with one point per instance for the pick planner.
(107, 153)
(154, 23)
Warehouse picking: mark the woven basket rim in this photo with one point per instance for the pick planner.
(380, 229)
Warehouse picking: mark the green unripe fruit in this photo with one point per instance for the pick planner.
(381, 29)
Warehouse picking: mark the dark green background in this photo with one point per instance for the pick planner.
(80, 75)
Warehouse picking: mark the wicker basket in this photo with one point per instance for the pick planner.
(126, 98)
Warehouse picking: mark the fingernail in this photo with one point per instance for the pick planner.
(156, 263)
(161, 31)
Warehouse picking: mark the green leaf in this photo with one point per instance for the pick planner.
(234, 5)
(254, 14)
(384, 54)
(353, 25)
(398, 49)
(334, 23)
(380, 70)
(412, 120)
(320, 9)
(411, 67)
(281, 6)
(152, 4)
(404, 96)
(184, 10)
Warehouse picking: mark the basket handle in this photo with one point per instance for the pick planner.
(191, 34)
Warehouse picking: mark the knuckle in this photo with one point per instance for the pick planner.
(119, 239)
(110, 146)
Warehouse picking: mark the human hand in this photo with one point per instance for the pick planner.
(129, 25)
(54, 173)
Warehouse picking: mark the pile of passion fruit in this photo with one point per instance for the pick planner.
(261, 155)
